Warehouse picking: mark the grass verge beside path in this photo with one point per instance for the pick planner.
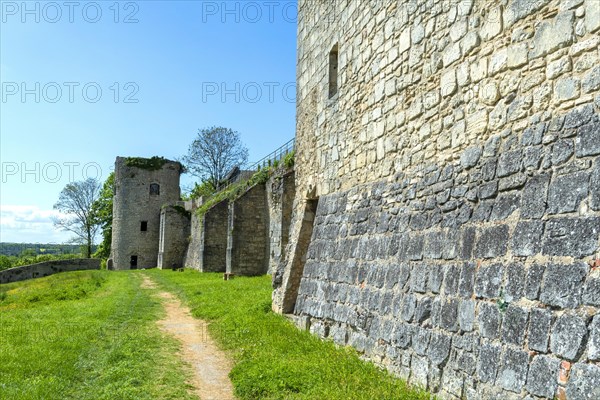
(85, 335)
(274, 360)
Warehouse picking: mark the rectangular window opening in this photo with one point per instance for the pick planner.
(144, 226)
(333, 71)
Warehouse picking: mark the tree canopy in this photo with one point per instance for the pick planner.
(215, 152)
(102, 209)
(75, 203)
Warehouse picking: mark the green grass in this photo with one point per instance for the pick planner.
(85, 335)
(273, 359)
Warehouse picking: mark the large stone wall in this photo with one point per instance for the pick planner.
(280, 195)
(457, 178)
(134, 203)
(47, 268)
(247, 235)
(207, 251)
(421, 80)
(174, 236)
(480, 280)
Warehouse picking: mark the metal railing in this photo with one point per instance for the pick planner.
(269, 160)
(277, 155)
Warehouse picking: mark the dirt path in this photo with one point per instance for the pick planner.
(210, 365)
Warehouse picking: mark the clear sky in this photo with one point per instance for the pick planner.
(84, 82)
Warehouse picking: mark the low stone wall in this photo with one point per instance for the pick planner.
(247, 239)
(480, 280)
(47, 268)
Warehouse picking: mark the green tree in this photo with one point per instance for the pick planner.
(215, 152)
(103, 212)
(75, 203)
(4, 262)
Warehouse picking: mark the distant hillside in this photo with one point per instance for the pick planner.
(34, 249)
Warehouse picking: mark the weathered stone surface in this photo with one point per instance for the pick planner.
(591, 81)
(535, 274)
(515, 280)
(492, 242)
(449, 315)
(594, 339)
(539, 329)
(513, 369)
(592, 16)
(584, 382)
(489, 280)
(519, 9)
(566, 192)
(541, 380)
(595, 186)
(567, 336)
(591, 291)
(466, 315)
(505, 205)
(471, 156)
(514, 325)
(588, 140)
(577, 237)
(526, 240)
(489, 319)
(489, 359)
(552, 35)
(439, 348)
(562, 285)
(509, 163)
(533, 203)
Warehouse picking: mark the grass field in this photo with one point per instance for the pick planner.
(85, 335)
(92, 335)
(274, 360)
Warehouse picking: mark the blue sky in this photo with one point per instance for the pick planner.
(84, 83)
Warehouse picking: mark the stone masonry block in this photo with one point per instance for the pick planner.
(533, 200)
(514, 288)
(439, 348)
(467, 277)
(594, 341)
(535, 273)
(449, 315)
(489, 281)
(567, 336)
(526, 240)
(591, 291)
(584, 382)
(513, 369)
(595, 186)
(566, 192)
(539, 329)
(514, 325)
(541, 380)
(588, 140)
(489, 319)
(466, 315)
(509, 163)
(576, 237)
(489, 359)
(562, 284)
(492, 242)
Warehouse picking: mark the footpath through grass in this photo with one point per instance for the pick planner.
(85, 335)
(274, 360)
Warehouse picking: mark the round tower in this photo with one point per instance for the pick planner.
(142, 187)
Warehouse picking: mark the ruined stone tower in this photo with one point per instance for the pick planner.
(142, 187)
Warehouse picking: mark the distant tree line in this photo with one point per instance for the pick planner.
(17, 254)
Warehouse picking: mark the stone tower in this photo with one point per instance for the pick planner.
(142, 187)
